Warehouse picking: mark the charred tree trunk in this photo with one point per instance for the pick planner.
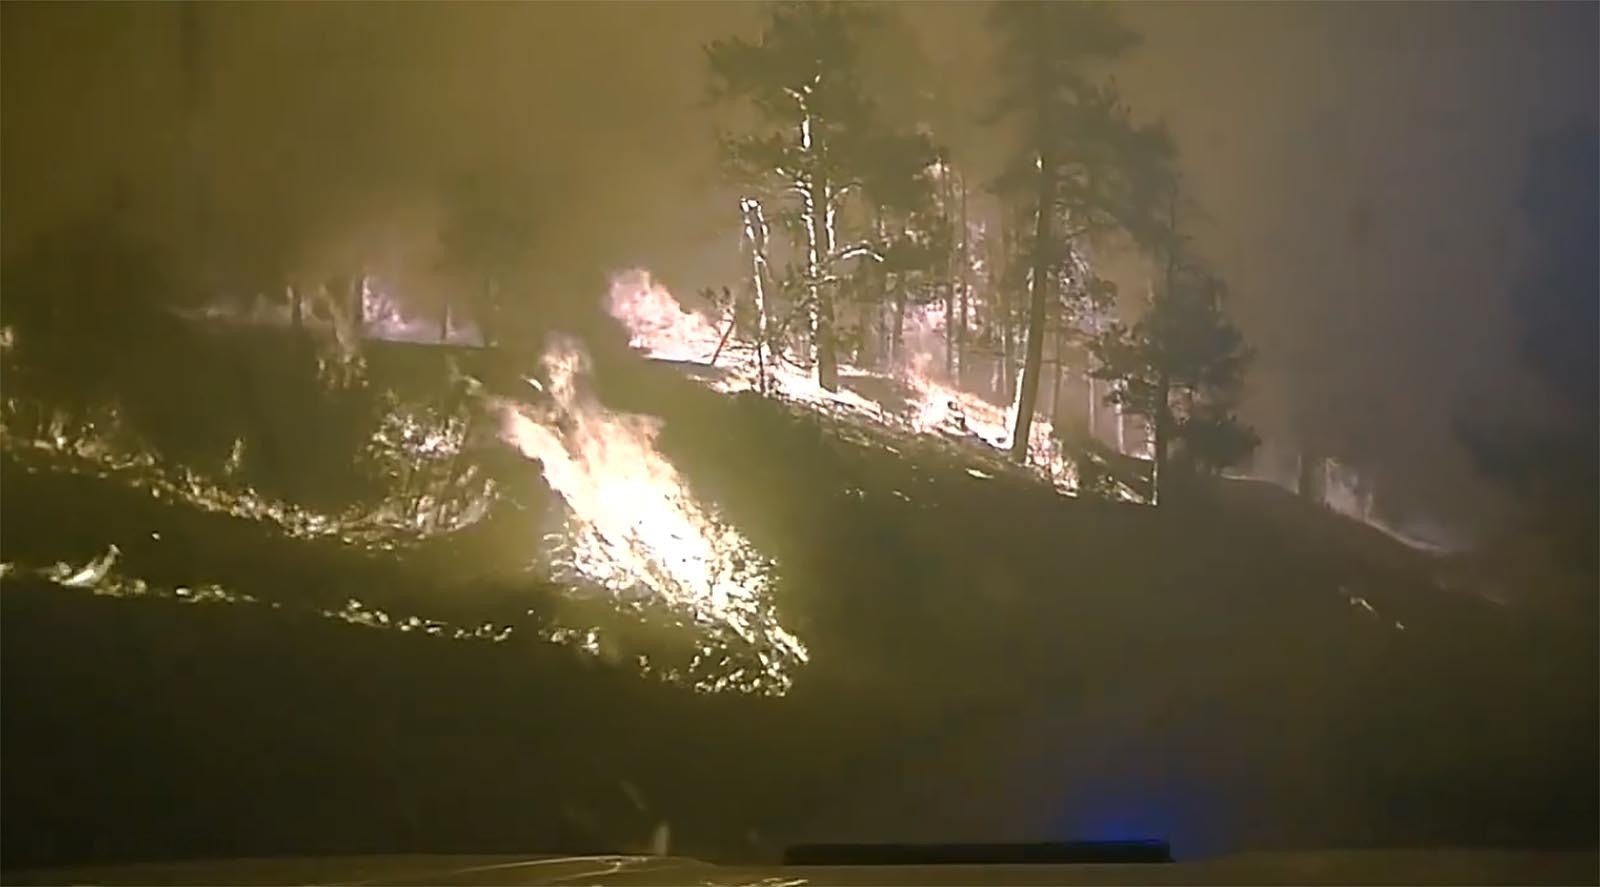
(821, 300)
(886, 324)
(755, 226)
(1055, 382)
(949, 323)
(878, 334)
(1007, 346)
(1009, 251)
(816, 212)
(358, 308)
(1038, 301)
(947, 285)
(827, 348)
(1163, 432)
(722, 342)
(489, 320)
(1093, 406)
(897, 345)
(827, 337)
(966, 290)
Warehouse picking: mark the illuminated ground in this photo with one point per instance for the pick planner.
(987, 659)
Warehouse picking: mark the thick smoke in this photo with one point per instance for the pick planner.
(1356, 169)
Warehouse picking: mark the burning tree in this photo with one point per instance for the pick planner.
(1087, 165)
(802, 78)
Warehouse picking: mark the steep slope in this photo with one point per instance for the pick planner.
(987, 658)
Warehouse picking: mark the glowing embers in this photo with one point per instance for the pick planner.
(355, 612)
(99, 576)
(1360, 603)
(632, 528)
(412, 446)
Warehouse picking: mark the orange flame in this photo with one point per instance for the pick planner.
(633, 526)
(662, 329)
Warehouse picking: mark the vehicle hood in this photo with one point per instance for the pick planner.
(1320, 867)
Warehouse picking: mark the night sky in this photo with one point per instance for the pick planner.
(1357, 166)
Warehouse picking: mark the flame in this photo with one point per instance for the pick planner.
(98, 577)
(656, 321)
(633, 527)
(662, 329)
(98, 445)
(383, 317)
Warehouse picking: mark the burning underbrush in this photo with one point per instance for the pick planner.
(631, 529)
(429, 501)
(593, 533)
(908, 401)
(101, 577)
(910, 407)
(592, 539)
(922, 594)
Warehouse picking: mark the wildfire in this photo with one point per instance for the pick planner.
(98, 446)
(100, 577)
(633, 528)
(948, 410)
(656, 321)
(662, 329)
(383, 317)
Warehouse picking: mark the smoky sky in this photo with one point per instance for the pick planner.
(1353, 168)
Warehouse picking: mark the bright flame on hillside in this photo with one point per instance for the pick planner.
(633, 527)
(662, 329)
(656, 321)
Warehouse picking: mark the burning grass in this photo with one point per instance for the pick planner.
(655, 580)
(909, 400)
(632, 528)
(98, 447)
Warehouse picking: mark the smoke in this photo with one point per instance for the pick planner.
(258, 145)
(1362, 220)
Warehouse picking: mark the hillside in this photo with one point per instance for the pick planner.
(984, 658)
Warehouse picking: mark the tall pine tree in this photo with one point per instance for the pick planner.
(1085, 163)
(1181, 367)
(802, 77)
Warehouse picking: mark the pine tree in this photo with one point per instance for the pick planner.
(1181, 367)
(802, 78)
(1085, 164)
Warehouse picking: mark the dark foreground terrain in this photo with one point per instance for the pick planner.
(988, 661)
